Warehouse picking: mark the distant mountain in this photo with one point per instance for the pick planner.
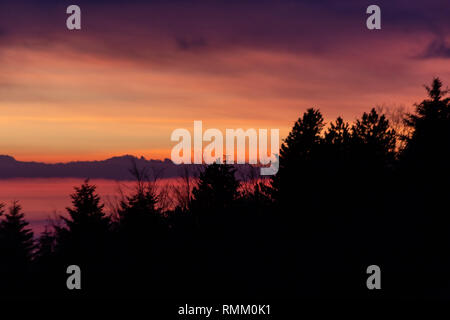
(116, 168)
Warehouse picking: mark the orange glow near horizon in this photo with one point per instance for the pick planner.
(59, 104)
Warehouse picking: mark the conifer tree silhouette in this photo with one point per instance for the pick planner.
(374, 140)
(297, 155)
(140, 221)
(86, 217)
(214, 208)
(138, 210)
(16, 249)
(425, 173)
(217, 188)
(427, 147)
(141, 237)
(296, 190)
(337, 149)
(84, 238)
(16, 234)
(338, 133)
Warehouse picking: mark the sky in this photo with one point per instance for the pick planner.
(137, 70)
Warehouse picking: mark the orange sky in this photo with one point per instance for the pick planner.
(73, 96)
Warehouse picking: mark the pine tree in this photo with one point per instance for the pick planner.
(138, 211)
(337, 142)
(338, 133)
(87, 212)
(16, 240)
(428, 146)
(425, 174)
(298, 157)
(373, 138)
(141, 250)
(303, 139)
(86, 229)
(217, 188)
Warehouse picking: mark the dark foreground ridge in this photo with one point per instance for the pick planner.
(347, 199)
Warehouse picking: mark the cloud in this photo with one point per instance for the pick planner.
(438, 48)
(234, 63)
(184, 43)
(150, 30)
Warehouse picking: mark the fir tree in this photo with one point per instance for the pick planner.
(86, 229)
(217, 188)
(428, 146)
(16, 249)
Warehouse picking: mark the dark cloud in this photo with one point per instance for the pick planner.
(185, 43)
(437, 49)
(147, 30)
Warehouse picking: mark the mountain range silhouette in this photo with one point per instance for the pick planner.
(116, 168)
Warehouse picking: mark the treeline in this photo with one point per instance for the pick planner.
(346, 196)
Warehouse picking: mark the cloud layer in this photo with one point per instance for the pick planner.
(139, 69)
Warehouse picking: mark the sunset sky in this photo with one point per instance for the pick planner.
(140, 69)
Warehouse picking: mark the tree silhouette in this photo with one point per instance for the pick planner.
(338, 133)
(297, 155)
(141, 231)
(344, 198)
(86, 220)
(17, 237)
(427, 147)
(139, 209)
(217, 188)
(302, 141)
(374, 139)
(84, 237)
(425, 173)
(338, 147)
(16, 248)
